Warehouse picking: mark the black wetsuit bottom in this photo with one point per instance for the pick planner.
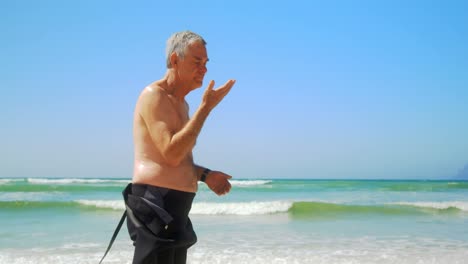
(160, 227)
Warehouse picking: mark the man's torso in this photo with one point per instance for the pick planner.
(149, 164)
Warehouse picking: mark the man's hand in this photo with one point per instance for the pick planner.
(211, 98)
(218, 182)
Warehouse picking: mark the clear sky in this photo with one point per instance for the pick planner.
(325, 89)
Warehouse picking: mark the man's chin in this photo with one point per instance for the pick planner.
(198, 83)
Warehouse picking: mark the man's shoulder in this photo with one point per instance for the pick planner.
(153, 93)
(155, 88)
(153, 101)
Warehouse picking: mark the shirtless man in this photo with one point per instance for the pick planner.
(164, 136)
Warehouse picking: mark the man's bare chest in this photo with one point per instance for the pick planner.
(180, 113)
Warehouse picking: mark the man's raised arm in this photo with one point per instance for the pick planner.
(176, 145)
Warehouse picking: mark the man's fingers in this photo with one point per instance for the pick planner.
(230, 83)
(219, 191)
(213, 97)
(225, 90)
(227, 86)
(210, 85)
(222, 189)
(233, 82)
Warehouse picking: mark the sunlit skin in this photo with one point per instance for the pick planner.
(164, 135)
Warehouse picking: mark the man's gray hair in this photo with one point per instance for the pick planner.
(179, 42)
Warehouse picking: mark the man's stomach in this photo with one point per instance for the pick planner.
(181, 178)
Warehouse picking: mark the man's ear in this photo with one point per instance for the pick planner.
(174, 59)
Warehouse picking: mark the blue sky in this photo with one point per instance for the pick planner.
(342, 89)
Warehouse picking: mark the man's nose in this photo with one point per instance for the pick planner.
(203, 69)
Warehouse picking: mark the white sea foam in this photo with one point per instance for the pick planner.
(241, 250)
(246, 208)
(73, 180)
(205, 208)
(437, 205)
(6, 181)
(80, 245)
(30, 196)
(107, 204)
(240, 183)
(246, 183)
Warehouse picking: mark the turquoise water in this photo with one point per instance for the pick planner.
(260, 221)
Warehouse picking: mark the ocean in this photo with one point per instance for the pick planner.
(260, 221)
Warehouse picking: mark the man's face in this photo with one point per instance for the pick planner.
(192, 68)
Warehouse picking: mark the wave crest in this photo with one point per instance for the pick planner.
(103, 204)
(205, 208)
(246, 208)
(463, 206)
(73, 180)
(7, 181)
(295, 208)
(246, 183)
